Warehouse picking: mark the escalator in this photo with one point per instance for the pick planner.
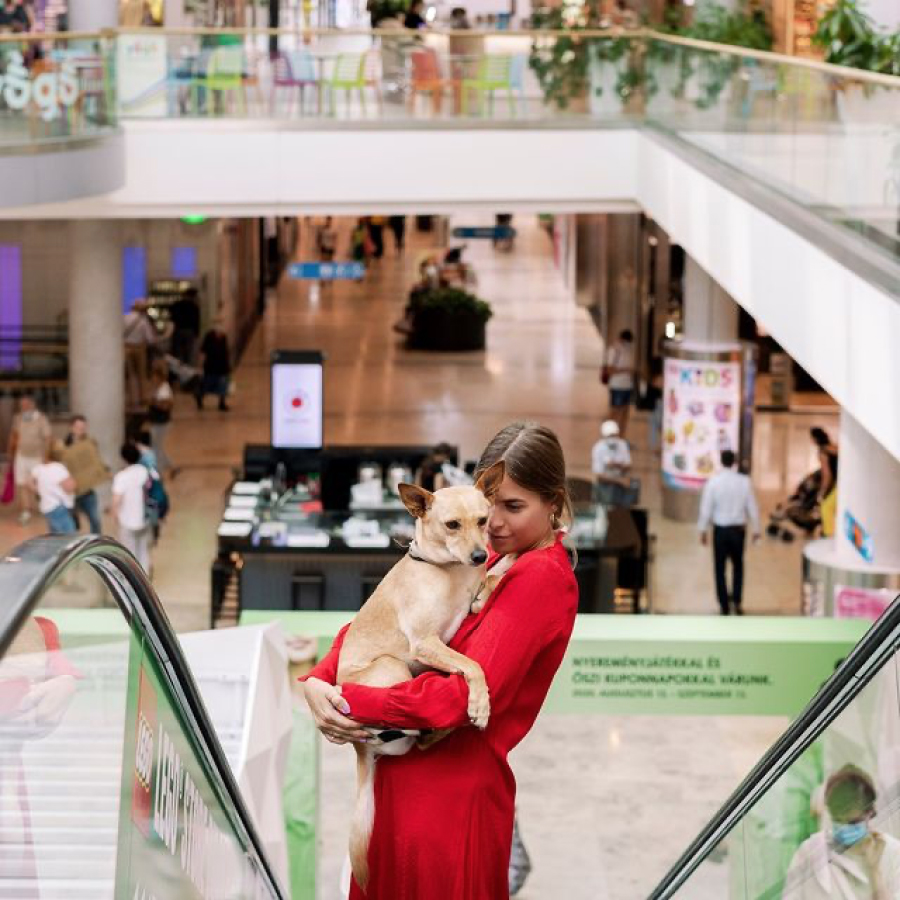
(819, 815)
(113, 783)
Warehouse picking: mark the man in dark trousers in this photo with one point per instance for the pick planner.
(216, 366)
(727, 504)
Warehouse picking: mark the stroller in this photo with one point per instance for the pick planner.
(801, 509)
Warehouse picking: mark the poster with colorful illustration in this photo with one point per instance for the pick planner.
(701, 418)
(861, 603)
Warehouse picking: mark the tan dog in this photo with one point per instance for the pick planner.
(405, 625)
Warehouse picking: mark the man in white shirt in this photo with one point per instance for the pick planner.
(128, 505)
(620, 369)
(55, 488)
(611, 465)
(727, 504)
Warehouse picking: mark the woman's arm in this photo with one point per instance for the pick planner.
(326, 668)
(530, 612)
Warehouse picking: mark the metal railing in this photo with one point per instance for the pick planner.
(876, 654)
(35, 579)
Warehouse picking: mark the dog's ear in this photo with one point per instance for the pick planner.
(491, 479)
(416, 499)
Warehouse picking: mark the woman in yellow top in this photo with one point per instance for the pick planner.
(81, 456)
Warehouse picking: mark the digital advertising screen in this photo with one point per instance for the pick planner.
(297, 398)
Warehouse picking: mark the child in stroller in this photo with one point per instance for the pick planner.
(800, 509)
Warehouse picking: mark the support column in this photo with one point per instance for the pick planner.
(96, 354)
(710, 314)
(707, 395)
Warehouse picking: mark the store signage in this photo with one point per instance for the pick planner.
(49, 91)
(142, 74)
(498, 233)
(861, 603)
(701, 418)
(319, 271)
(174, 836)
(859, 537)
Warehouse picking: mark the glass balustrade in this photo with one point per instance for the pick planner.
(55, 88)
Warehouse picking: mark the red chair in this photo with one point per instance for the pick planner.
(427, 79)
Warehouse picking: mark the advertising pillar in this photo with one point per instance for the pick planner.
(856, 573)
(708, 392)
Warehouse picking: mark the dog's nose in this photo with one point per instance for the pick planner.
(478, 557)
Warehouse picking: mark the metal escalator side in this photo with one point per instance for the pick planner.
(820, 811)
(113, 783)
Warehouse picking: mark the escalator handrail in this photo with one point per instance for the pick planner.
(34, 566)
(876, 648)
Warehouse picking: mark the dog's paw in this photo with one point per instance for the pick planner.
(479, 706)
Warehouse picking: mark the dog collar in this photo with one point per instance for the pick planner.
(414, 554)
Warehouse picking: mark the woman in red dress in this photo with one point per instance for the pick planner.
(444, 815)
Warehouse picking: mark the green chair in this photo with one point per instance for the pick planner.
(494, 74)
(223, 72)
(350, 73)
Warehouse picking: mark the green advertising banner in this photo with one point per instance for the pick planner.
(670, 665)
(175, 840)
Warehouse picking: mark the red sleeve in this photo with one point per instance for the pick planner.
(536, 604)
(57, 663)
(326, 668)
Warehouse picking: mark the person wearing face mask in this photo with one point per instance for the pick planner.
(851, 860)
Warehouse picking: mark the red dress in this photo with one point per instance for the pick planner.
(444, 816)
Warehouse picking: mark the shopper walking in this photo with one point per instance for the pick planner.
(397, 224)
(55, 488)
(29, 446)
(727, 504)
(216, 366)
(140, 336)
(81, 456)
(129, 491)
(618, 374)
(326, 240)
(519, 639)
(376, 234)
(185, 314)
(159, 413)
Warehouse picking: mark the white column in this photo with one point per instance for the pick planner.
(710, 314)
(92, 15)
(869, 489)
(96, 355)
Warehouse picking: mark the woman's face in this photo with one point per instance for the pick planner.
(520, 519)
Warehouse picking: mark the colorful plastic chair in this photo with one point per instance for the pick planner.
(295, 70)
(351, 73)
(426, 78)
(494, 74)
(223, 72)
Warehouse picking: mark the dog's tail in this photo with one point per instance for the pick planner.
(363, 815)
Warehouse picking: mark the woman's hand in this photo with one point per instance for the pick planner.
(330, 712)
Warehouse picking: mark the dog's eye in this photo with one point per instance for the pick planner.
(482, 522)
(452, 526)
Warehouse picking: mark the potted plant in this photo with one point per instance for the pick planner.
(849, 38)
(448, 319)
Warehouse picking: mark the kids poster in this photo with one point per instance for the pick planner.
(701, 418)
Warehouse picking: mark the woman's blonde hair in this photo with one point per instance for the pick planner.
(534, 460)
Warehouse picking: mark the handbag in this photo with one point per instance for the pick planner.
(9, 486)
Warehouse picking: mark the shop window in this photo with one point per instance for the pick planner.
(134, 276)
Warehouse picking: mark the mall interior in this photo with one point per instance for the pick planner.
(263, 262)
